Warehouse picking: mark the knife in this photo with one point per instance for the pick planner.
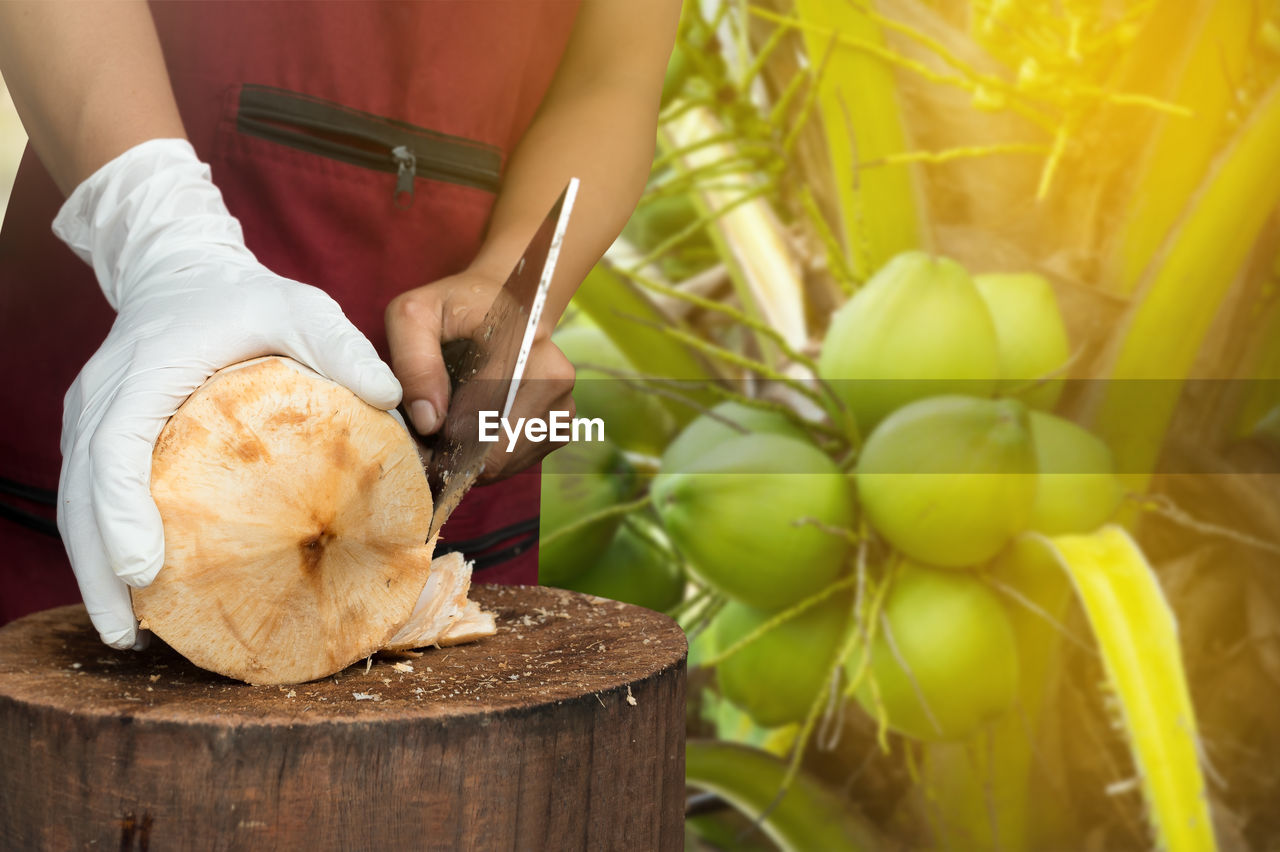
(485, 369)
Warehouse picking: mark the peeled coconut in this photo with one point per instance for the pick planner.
(948, 663)
(918, 328)
(776, 677)
(1077, 489)
(727, 420)
(295, 519)
(744, 517)
(1031, 335)
(948, 480)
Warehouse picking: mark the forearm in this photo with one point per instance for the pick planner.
(88, 81)
(598, 123)
(608, 145)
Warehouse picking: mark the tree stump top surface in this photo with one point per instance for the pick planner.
(551, 646)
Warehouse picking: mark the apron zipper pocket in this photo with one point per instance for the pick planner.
(373, 142)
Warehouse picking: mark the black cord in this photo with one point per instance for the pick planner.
(475, 545)
(29, 519)
(489, 560)
(13, 488)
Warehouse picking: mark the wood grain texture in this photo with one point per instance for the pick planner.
(563, 731)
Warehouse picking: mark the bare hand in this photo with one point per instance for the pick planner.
(420, 320)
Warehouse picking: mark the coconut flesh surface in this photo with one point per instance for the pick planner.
(295, 519)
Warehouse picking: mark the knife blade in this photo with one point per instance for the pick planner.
(485, 369)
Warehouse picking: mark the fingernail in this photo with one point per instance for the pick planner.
(424, 416)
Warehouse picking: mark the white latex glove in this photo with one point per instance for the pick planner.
(191, 299)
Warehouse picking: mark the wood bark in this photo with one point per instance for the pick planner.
(563, 731)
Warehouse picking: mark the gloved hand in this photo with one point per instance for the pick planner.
(191, 299)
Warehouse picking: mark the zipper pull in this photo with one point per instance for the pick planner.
(406, 170)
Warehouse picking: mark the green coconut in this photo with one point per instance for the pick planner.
(1077, 490)
(775, 678)
(918, 328)
(948, 480)
(744, 516)
(634, 420)
(635, 570)
(579, 480)
(710, 430)
(658, 220)
(1030, 334)
(949, 663)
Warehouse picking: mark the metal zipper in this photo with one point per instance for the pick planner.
(374, 142)
(406, 170)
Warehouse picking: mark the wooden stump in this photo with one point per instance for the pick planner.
(563, 731)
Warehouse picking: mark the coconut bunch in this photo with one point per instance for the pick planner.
(762, 498)
(296, 520)
(951, 378)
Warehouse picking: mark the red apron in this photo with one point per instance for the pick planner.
(360, 145)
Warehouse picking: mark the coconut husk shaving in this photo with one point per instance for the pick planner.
(444, 615)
